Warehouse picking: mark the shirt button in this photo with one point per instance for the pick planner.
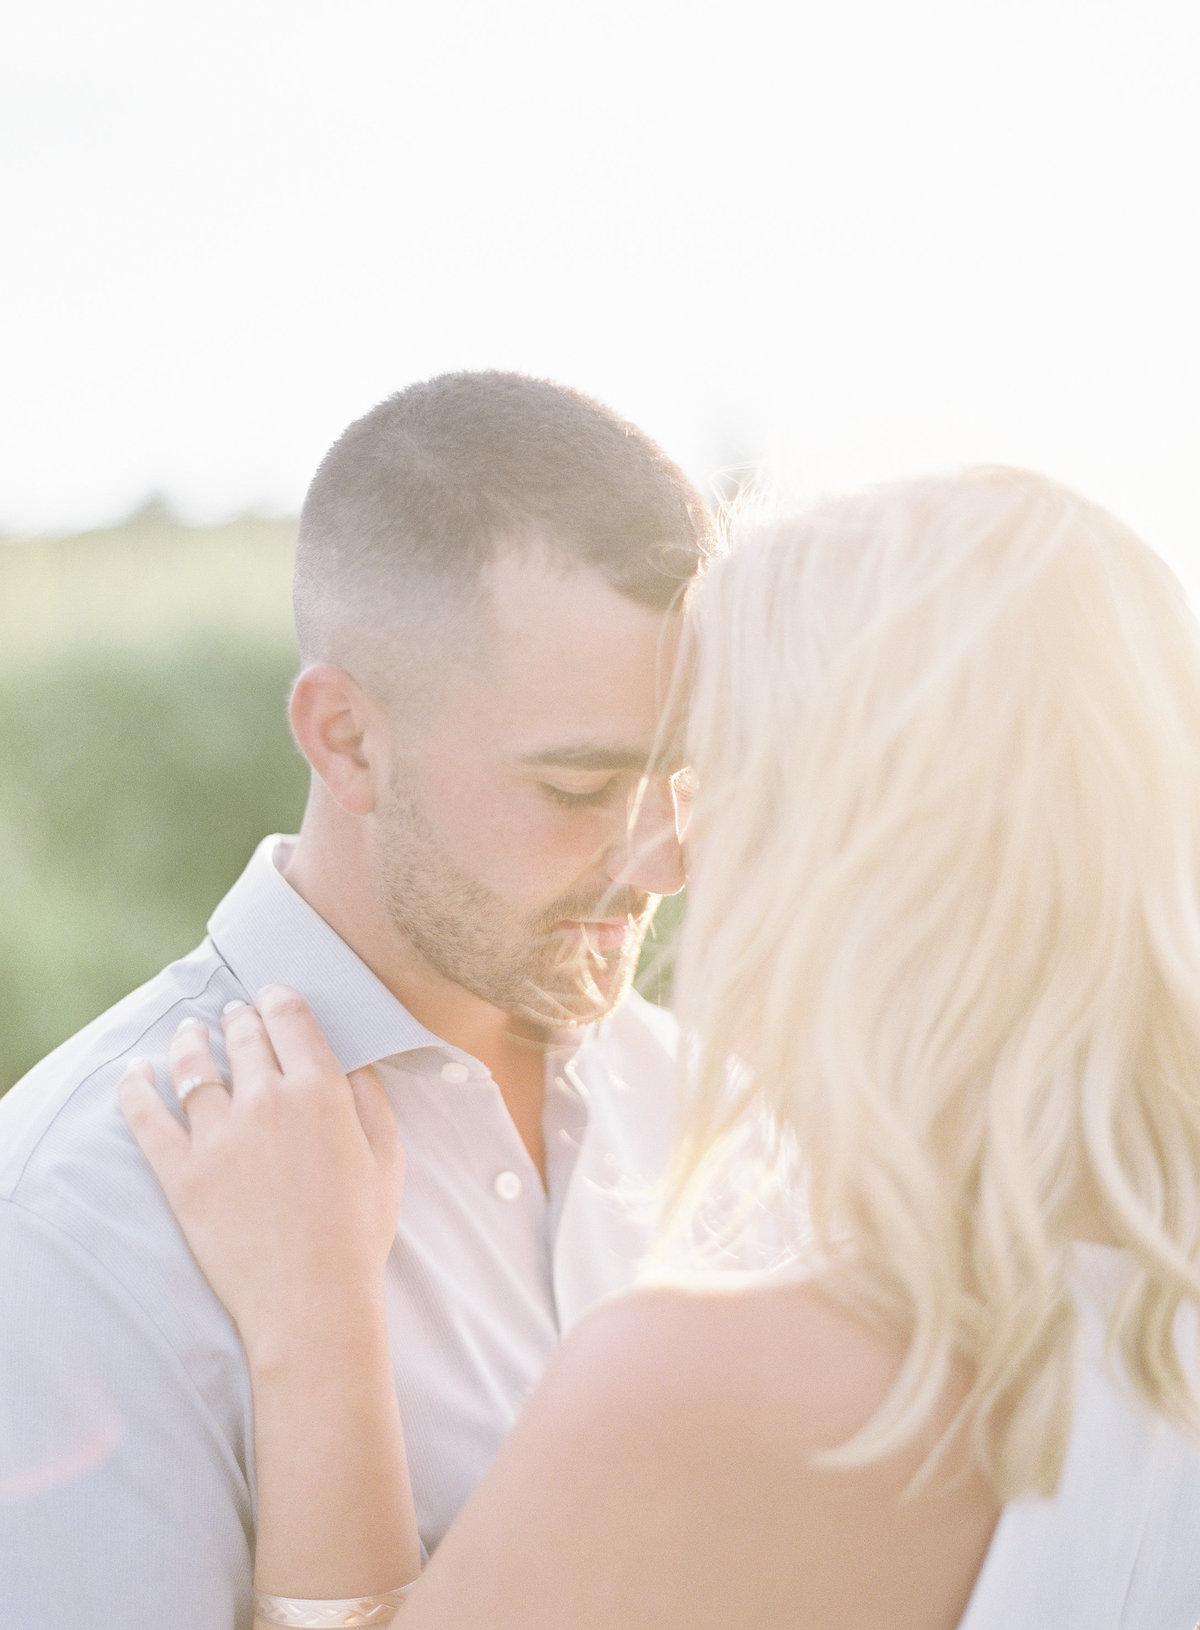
(455, 1073)
(508, 1186)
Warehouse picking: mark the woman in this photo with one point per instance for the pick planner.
(945, 917)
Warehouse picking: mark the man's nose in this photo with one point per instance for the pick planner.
(646, 855)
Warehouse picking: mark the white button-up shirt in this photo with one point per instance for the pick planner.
(126, 1476)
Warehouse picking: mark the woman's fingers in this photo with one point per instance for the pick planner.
(159, 1135)
(252, 1061)
(379, 1124)
(288, 1190)
(203, 1095)
(308, 1061)
(277, 1045)
(304, 1054)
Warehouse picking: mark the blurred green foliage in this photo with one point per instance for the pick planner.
(133, 789)
(144, 751)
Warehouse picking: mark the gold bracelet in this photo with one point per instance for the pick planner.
(338, 1613)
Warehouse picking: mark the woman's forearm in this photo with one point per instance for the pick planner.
(335, 1509)
(287, 1185)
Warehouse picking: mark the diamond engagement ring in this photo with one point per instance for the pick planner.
(190, 1082)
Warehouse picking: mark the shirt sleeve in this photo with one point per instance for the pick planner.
(122, 1507)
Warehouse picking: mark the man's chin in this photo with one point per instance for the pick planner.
(571, 1004)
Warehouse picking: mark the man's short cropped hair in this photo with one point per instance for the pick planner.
(416, 497)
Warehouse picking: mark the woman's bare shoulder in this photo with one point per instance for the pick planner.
(783, 1351)
(713, 1406)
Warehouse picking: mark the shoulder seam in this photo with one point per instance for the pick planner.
(128, 1051)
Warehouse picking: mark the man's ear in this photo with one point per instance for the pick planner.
(339, 729)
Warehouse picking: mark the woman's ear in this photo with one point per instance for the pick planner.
(336, 726)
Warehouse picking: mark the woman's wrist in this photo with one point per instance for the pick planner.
(309, 1339)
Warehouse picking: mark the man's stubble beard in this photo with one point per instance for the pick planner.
(469, 935)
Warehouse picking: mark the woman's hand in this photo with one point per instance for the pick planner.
(287, 1185)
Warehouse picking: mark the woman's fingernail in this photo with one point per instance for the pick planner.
(273, 993)
(190, 1024)
(143, 1065)
(235, 1006)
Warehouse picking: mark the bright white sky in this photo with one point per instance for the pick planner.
(866, 236)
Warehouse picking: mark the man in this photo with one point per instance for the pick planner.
(487, 588)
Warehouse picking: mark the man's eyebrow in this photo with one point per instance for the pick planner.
(589, 756)
(593, 756)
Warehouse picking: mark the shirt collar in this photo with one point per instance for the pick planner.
(269, 935)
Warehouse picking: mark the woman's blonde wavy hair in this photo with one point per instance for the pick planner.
(947, 912)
